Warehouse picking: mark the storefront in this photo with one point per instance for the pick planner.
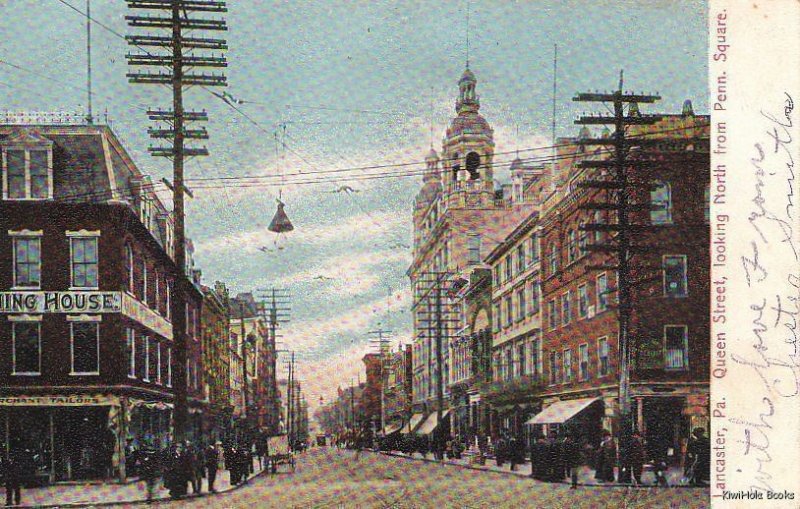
(582, 416)
(66, 437)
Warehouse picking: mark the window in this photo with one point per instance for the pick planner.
(661, 201)
(553, 368)
(85, 347)
(534, 250)
(509, 311)
(474, 249)
(552, 260)
(508, 365)
(84, 262)
(675, 339)
(156, 292)
(158, 362)
(27, 175)
(533, 308)
(129, 263)
(598, 219)
(497, 279)
(583, 238)
(497, 318)
(602, 356)
(602, 292)
(583, 301)
(169, 366)
(566, 308)
(131, 352)
(521, 359)
(572, 246)
(27, 262)
(141, 359)
(168, 300)
(559, 372)
(509, 268)
(145, 286)
(521, 306)
(707, 201)
(536, 358)
(147, 364)
(567, 365)
(551, 314)
(521, 262)
(675, 283)
(583, 353)
(26, 347)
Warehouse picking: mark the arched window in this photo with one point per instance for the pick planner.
(473, 163)
(552, 254)
(661, 200)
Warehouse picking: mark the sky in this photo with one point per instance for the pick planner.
(355, 84)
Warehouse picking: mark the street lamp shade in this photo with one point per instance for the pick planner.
(280, 221)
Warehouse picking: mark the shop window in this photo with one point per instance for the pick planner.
(675, 281)
(567, 365)
(84, 261)
(583, 353)
(85, 347)
(27, 347)
(27, 262)
(675, 339)
(602, 355)
(661, 201)
(130, 343)
(602, 292)
(583, 301)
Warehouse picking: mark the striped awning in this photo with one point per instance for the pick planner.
(414, 422)
(431, 423)
(561, 411)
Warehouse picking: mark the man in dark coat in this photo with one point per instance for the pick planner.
(539, 458)
(555, 464)
(635, 459)
(698, 455)
(571, 453)
(211, 462)
(12, 476)
(606, 458)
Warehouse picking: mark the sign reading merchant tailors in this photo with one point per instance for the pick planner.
(60, 302)
(66, 400)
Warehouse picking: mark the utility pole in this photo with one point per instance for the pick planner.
(275, 308)
(616, 180)
(177, 16)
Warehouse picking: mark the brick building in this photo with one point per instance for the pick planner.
(86, 272)
(670, 323)
(215, 324)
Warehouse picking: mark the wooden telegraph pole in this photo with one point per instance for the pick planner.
(617, 177)
(174, 62)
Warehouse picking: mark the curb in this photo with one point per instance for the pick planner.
(525, 476)
(140, 500)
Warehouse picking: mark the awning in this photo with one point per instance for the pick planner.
(414, 422)
(561, 411)
(391, 428)
(430, 423)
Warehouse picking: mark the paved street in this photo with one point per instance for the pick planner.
(330, 478)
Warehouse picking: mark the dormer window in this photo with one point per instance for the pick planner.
(27, 167)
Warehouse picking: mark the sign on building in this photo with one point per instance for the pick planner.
(60, 302)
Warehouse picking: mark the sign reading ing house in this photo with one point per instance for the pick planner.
(60, 302)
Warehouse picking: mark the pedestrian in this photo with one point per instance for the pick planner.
(606, 458)
(512, 453)
(555, 469)
(189, 466)
(500, 450)
(150, 471)
(211, 463)
(539, 459)
(698, 458)
(174, 479)
(572, 458)
(13, 479)
(232, 464)
(635, 459)
(261, 450)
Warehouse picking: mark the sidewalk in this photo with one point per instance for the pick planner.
(585, 474)
(82, 495)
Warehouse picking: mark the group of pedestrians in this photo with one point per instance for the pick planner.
(239, 462)
(16, 469)
(556, 458)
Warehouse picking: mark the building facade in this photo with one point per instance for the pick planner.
(397, 380)
(86, 277)
(215, 325)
